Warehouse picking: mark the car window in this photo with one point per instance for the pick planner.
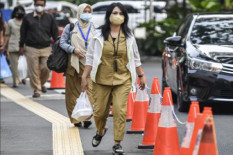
(61, 19)
(158, 9)
(100, 9)
(213, 30)
(184, 27)
(66, 9)
(131, 9)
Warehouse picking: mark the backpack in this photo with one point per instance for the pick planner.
(58, 59)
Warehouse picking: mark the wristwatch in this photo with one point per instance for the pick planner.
(140, 75)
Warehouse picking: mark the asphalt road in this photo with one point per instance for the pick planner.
(24, 133)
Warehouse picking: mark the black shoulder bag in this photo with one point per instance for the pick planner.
(58, 59)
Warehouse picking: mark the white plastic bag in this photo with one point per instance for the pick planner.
(22, 67)
(83, 109)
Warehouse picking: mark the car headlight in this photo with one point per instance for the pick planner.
(204, 65)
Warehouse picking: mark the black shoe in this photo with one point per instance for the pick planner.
(44, 89)
(15, 86)
(78, 124)
(97, 138)
(86, 124)
(23, 81)
(36, 95)
(117, 150)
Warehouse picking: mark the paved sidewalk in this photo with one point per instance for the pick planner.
(28, 131)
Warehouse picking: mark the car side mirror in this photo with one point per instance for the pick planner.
(174, 41)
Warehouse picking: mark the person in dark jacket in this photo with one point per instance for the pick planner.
(35, 33)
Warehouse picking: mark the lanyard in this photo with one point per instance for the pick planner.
(115, 51)
(85, 38)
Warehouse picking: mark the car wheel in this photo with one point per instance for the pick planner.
(181, 104)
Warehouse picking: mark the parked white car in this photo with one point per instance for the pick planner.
(69, 9)
(136, 12)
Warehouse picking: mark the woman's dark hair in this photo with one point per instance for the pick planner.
(106, 27)
(39, 0)
(17, 8)
(1, 22)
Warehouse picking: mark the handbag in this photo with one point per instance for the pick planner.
(58, 60)
(83, 109)
(22, 67)
(5, 69)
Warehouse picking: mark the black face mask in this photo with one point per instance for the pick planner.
(19, 15)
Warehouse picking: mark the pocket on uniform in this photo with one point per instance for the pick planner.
(104, 74)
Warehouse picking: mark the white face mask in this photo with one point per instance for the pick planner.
(86, 16)
(39, 8)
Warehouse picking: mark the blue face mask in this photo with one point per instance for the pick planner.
(86, 16)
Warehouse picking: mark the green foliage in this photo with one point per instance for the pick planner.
(157, 32)
(205, 5)
(228, 5)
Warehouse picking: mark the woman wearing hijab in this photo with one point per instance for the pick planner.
(75, 43)
(11, 39)
(112, 60)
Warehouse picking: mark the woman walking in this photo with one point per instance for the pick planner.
(112, 60)
(11, 40)
(75, 43)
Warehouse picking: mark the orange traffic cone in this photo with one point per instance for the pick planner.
(193, 111)
(57, 81)
(139, 113)
(167, 141)
(206, 112)
(208, 144)
(152, 118)
(195, 133)
(198, 126)
(130, 106)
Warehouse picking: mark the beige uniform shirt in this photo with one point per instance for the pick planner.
(106, 74)
(13, 30)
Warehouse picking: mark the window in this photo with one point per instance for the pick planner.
(214, 30)
(100, 9)
(184, 27)
(68, 10)
(130, 9)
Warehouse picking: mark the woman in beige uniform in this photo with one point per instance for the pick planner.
(112, 60)
(75, 43)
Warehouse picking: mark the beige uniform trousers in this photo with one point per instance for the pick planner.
(37, 66)
(103, 96)
(73, 90)
(14, 57)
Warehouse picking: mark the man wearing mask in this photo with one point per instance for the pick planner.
(35, 33)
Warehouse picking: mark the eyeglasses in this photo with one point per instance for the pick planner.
(116, 13)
